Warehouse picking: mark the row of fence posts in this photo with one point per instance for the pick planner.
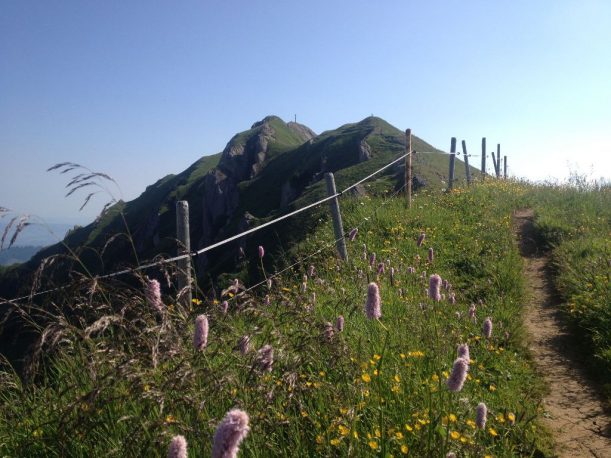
(496, 161)
(182, 208)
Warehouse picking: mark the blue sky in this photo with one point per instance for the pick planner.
(140, 89)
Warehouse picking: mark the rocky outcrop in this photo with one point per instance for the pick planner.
(242, 158)
(303, 131)
(364, 151)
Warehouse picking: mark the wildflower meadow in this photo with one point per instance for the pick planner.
(413, 346)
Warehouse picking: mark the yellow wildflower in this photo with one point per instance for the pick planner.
(455, 435)
(366, 377)
(319, 439)
(335, 442)
(404, 449)
(493, 432)
(343, 430)
(373, 445)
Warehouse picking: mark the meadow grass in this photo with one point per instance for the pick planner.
(119, 379)
(573, 224)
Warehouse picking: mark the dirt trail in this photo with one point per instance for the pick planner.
(574, 412)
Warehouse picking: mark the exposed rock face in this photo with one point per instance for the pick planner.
(220, 201)
(303, 131)
(364, 151)
(243, 161)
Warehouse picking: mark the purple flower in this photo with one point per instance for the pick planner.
(153, 295)
(229, 434)
(244, 344)
(200, 336)
(339, 323)
(328, 331)
(463, 352)
(487, 328)
(178, 447)
(434, 286)
(265, 358)
(411, 270)
(372, 259)
(472, 312)
(352, 234)
(420, 239)
(431, 254)
(372, 307)
(457, 378)
(261, 251)
(380, 268)
(481, 413)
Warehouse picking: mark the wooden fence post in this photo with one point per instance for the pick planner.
(467, 169)
(184, 247)
(338, 227)
(408, 166)
(505, 167)
(498, 160)
(452, 159)
(483, 158)
(494, 163)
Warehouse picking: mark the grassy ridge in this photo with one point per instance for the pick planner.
(123, 379)
(573, 222)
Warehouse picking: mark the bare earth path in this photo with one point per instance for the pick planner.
(574, 412)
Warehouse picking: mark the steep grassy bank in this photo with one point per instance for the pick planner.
(125, 379)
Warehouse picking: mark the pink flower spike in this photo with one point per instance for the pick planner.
(420, 239)
(373, 305)
(487, 328)
(339, 324)
(372, 259)
(261, 251)
(380, 268)
(153, 295)
(457, 378)
(434, 286)
(481, 412)
(431, 254)
(353, 234)
(229, 434)
(463, 352)
(178, 447)
(200, 337)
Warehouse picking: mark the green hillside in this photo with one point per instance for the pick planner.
(123, 379)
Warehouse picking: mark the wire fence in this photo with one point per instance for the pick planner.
(243, 234)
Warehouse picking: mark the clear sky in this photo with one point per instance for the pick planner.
(140, 89)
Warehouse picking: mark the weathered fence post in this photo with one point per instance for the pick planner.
(338, 227)
(184, 247)
(483, 158)
(498, 160)
(408, 166)
(494, 163)
(467, 170)
(452, 159)
(505, 167)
